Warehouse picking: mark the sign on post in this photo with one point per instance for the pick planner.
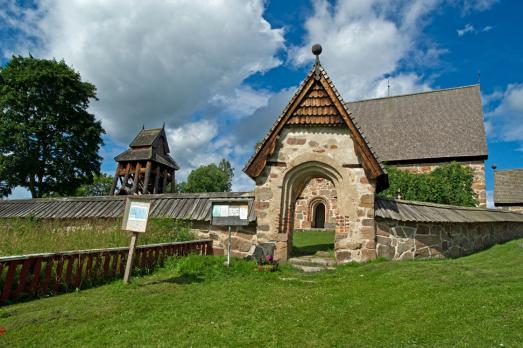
(230, 213)
(135, 218)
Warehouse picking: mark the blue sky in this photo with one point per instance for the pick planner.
(218, 73)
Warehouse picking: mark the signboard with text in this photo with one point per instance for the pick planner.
(136, 214)
(230, 213)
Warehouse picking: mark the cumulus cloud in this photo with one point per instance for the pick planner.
(199, 143)
(363, 41)
(155, 60)
(507, 118)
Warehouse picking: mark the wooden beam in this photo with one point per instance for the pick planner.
(115, 180)
(126, 176)
(173, 181)
(156, 179)
(164, 182)
(136, 178)
(147, 176)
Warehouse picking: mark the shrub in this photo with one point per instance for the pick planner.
(447, 184)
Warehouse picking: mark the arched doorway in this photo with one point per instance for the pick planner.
(318, 215)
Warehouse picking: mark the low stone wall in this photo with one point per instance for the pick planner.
(243, 240)
(398, 240)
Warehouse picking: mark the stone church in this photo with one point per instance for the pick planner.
(322, 162)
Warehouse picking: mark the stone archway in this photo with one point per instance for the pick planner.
(293, 184)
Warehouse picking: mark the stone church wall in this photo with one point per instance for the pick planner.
(514, 208)
(478, 167)
(317, 190)
(397, 240)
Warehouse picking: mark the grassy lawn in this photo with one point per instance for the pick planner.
(27, 236)
(474, 301)
(309, 242)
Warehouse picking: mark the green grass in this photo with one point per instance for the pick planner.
(310, 242)
(27, 235)
(473, 301)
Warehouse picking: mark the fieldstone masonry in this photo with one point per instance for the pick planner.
(317, 190)
(399, 240)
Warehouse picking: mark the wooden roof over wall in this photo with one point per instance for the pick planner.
(508, 187)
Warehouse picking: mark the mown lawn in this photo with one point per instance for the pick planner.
(310, 242)
(475, 301)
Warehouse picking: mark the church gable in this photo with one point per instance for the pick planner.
(316, 108)
(317, 102)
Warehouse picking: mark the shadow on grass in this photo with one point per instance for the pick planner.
(181, 280)
(311, 249)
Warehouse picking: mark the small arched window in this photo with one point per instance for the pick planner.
(319, 216)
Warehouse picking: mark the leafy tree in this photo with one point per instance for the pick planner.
(447, 184)
(209, 178)
(100, 186)
(49, 142)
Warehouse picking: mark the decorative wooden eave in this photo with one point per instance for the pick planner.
(317, 76)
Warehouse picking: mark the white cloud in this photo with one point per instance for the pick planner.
(363, 41)
(477, 5)
(507, 118)
(469, 28)
(199, 143)
(155, 60)
(490, 199)
(242, 101)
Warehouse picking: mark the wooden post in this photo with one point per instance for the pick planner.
(126, 176)
(147, 176)
(173, 182)
(136, 178)
(129, 264)
(164, 182)
(156, 179)
(115, 180)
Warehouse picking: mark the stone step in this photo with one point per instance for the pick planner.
(309, 269)
(313, 261)
(323, 254)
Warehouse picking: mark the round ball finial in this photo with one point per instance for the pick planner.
(316, 49)
(494, 166)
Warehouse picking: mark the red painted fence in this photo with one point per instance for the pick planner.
(51, 273)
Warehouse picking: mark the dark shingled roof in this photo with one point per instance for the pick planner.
(438, 124)
(401, 210)
(146, 137)
(190, 206)
(149, 144)
(508, 186)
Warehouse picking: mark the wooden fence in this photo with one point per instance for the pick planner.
(51, 273)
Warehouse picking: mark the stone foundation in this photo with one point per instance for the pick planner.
(397, 240)
(478, 167)
(243, 240)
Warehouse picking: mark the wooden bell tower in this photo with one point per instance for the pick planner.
(146, 167)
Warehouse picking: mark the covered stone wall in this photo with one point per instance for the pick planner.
(400, 240)
(243, 240)
(514, 208)
(315, 191)
(303, 153)
(478, 167)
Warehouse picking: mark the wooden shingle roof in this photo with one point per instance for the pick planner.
(149, 144)
(438, 124)
(508, 187)
(410, 211)
(189, 206)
